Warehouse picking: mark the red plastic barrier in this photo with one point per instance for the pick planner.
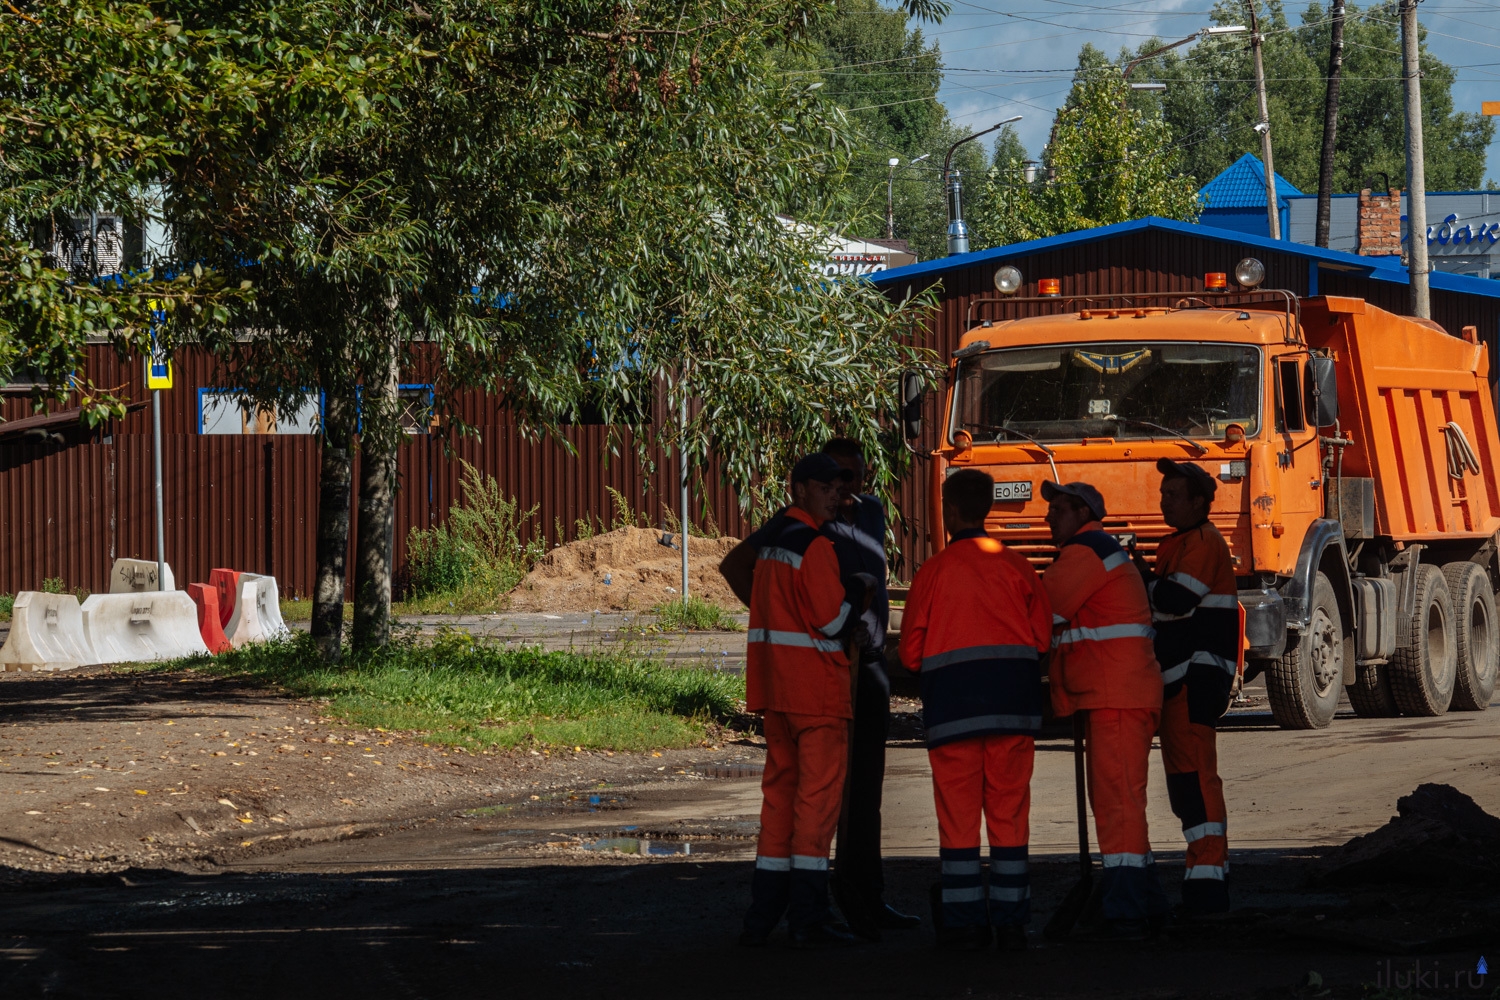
(206, 597)
(227, 583)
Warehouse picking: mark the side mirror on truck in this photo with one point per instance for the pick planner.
(912, 396)
(1322, 393)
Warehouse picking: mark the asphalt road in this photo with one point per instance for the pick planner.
(635, 889)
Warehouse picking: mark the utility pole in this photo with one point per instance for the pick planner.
(1330, 123)
(890, 204)
(1416, 165)
(958, 233)
(1273, 217)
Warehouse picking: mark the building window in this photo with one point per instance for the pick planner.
(223, 411)
(416, 414)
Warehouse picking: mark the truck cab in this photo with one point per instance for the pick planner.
(1316, 508)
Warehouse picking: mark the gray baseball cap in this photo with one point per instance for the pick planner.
(1083, 491)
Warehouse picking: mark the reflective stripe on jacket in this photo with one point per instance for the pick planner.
(795, 662)
(1103, 656)
(1195, 609)
(976, 625)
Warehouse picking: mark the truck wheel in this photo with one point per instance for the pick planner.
(1422, 671)
(1474, 629)
(1304, 684)
(1370, 694)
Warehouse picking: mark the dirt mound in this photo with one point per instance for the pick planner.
(641, 572)
(1440, 837)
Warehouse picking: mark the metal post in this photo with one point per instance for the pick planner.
(161, 535)
(890, 204)
(1330, 124)
(683, 459)
(1273, 217)
(1416, 166)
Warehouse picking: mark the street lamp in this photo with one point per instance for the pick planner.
(958, 233)
(890, 209)
(1224, 29)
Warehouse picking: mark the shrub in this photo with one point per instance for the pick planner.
(478, 555)
(693, 615)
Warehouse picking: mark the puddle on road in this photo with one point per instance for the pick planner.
(591, 802)
(730, 770)
(638, 845)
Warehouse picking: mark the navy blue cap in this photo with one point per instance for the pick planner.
(821, 468)
(1199, 481)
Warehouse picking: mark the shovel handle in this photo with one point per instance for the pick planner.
(1085, 864)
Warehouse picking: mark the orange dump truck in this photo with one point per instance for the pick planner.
(1355, 452)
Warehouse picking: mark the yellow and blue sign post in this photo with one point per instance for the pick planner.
(158, 377)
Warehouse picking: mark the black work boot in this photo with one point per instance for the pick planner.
(769, 892)
(809, 922)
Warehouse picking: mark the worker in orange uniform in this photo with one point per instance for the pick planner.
(976, 625)
(1103, 664)
(1195, 609)
(798, 675)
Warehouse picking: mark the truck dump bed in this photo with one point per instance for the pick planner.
(1417, 403)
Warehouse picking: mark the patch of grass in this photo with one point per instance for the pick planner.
(474, 694)
(7, 604)
(694, 615)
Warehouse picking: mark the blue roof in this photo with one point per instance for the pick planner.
(1374, 268)
(1242, 184)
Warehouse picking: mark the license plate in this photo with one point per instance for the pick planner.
(1009, 492)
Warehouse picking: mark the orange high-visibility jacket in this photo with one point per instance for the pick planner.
(1102, 654)
(794, 662)
(1195, 609)
(976, 625)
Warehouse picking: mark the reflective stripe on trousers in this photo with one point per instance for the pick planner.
(1202, 830)
(774, 637)
(1128, 860)
(1215, 872)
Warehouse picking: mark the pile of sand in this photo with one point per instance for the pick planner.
(641, 573)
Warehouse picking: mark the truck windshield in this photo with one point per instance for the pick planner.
(1067, 392)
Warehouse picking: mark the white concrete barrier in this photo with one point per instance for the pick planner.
(135, 576)
(129, 628)
(46, 633)
(257, 611)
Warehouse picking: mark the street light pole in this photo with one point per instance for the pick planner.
(958, 233)
(1416, 166)
(1273, 217)
(890, 204)
(1227, 29)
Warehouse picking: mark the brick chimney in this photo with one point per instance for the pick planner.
(1380, 223)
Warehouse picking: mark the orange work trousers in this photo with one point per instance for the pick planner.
(1190, 753)
(988, 775)
(1119, 756)
(803, 787)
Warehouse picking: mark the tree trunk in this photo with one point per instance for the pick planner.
(334, 485)
(1330, 123)
(374, 542)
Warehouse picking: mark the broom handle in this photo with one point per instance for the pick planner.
(1084, 863)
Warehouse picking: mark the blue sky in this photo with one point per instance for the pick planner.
(994, 50)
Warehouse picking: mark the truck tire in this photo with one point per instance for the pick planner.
(1477, 641)
(1370, 694)
(1423, 669)
(1304, 684)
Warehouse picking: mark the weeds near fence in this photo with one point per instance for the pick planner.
(479, 694)
(694, 615)
(469, 563)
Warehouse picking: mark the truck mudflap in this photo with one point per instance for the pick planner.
(1265, 623)
(1296, 592)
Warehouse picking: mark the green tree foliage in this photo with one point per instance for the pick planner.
(564, 202)
(1105, 163)
(881, 70)
(1210, 101)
